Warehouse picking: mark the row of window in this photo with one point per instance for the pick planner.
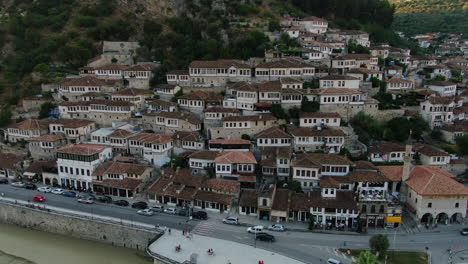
(75, 171)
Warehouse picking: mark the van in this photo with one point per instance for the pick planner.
(157, 208)
(333, 261)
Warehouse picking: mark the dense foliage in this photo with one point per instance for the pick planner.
(379, 244)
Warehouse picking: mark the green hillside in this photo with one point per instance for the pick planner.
(422, 16)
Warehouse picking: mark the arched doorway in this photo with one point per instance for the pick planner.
(426, 219)
(47, 181)
(442, 218)
(456, 218)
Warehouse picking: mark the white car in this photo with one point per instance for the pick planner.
(231, 220)
(255, 229)
(57, 191)
(44, 189)
(170, 211)
(276, 227)
(18, 184)
(86, 200)
(147, 212)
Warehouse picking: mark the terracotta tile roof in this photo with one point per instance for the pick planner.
(285, 63)
(230, 141)
(157, 102)
(236, 157)
(224, 186)
(431, 151)
(299, 202)
(122, 168)
(126, 184)
(271, 86)
(338, 77)
(152, 138)
(310, 132)
(243, 86)
(313, 18)
(132, 92)
(354, 57)
(367, 176)
(222, 110)
(249, 198)
(276, 152)
(386, 147)
(117, 67)
(9, 160)
(260, 117)
(393, 173)
(333, 181)
(343, 200)
(120, 133)
(195, 95)
(364, 71)
(93, 94)
(178, 72)
(273, 132)
(335, 91)
(365, 165)
(434, 181)
(457, 127)
(40, 166)
(166, 86)
(440, 100)
(31, 124)
(88, 81)
(314, 160)
(219, 64)
(192, 119)
(48, 138)
(97, 102)
(319, 115)
(141, 67)
(204, 155)
(440, 83)
(290, 80)
(214, 197)
(282, 200)
(81, 149)
(188, 136)
(398, 80)
(251, 179)
(71, 123)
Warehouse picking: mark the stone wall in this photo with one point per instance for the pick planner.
(81, 228)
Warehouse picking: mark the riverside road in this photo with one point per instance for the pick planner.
(304, 246)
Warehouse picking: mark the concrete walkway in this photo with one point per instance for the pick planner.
(224, 251)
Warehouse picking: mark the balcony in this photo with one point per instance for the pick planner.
(374, 196)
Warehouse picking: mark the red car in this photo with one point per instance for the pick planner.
(39, 198)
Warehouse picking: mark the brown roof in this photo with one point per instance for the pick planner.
(48, 138)
(260, 117)
(281, 200)
(236, 157)
(333, 181)
(83, 81)
(457, 127)
(386, 147)
(81, 149)
(310, 132)
(188, 136)
(393, 173)
(214, 197)
(204, 155)
(440, 100)
(113, 67)
(111, 167)
(221, 185)
(178, 72)
(97, 102)
(313, 18)
(161, 102)
(127, 183)
(276, 152)
(243, 86)
(319, 115)
(270, 86)
(229, 141)
(363, 71)
(335, 91)
(132, 92)
(314, 160)
(367, 176)
(398, 80)
(141, 67)
(219, 64)
(440, 83)
(152, 138)
(31, 124)
(249, 198)
(9, 160)
(343, 200)
(431, 151)
(40, 166)
(285, 63)
(192, 119)
(71, 123)
(273, 132)
(221, 110)
(120, 133)
(434, 181)
(338, 77)
(365, 165)
(354, 57)
(195, 95)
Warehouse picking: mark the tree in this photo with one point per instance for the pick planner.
(311, 222)
(5, 116)
(245, 137)
(366, 127)
(295, 186)
(366, 257)
(312, 84)
(278, 111)
(177, 95)
(274, 26)
(45, 109)
(308, 106)
(375, 82)
(462, 143)
(379, 243)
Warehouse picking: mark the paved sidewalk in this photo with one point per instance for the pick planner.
(224, 251)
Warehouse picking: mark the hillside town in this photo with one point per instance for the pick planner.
(271, 140)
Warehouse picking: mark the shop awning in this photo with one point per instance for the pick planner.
(393, 219)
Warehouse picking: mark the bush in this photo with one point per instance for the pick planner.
(379, 243)
(278, 111)
(5, 116)
(462, 143)
(45, 109)
(84, 21)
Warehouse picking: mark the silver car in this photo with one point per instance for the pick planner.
(276, 227)
(231, 220)
(18, 184)
(147, 212)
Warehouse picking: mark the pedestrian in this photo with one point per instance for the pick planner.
(183, 232)
(169, 231)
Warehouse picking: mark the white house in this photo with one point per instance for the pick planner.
(339, 81)
(315, 119)
(443, 88)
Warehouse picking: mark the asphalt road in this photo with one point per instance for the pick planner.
(303, 246)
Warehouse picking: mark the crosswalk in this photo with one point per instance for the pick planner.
(204, 228)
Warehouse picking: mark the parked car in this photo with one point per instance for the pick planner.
(4, 181)
(104, 199)
(39, 198)
(276, 227)
(30, 186)
(121, 203)
(464, 231)
(183, 212)
(158, 208)
(255, 229)
(69, 194)
(18, 184)
(86, 195)
(170, 211)
(333, 261)
(139, 205)
(147, 212)
(265, 237)
(44, 189)
(57, 191)
(200, 215)
(86, 200)
(231, 220)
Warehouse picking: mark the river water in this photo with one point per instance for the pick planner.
(24, 246)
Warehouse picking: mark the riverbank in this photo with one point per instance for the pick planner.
(25, 246)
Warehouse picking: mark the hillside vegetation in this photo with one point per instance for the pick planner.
(422, 16)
